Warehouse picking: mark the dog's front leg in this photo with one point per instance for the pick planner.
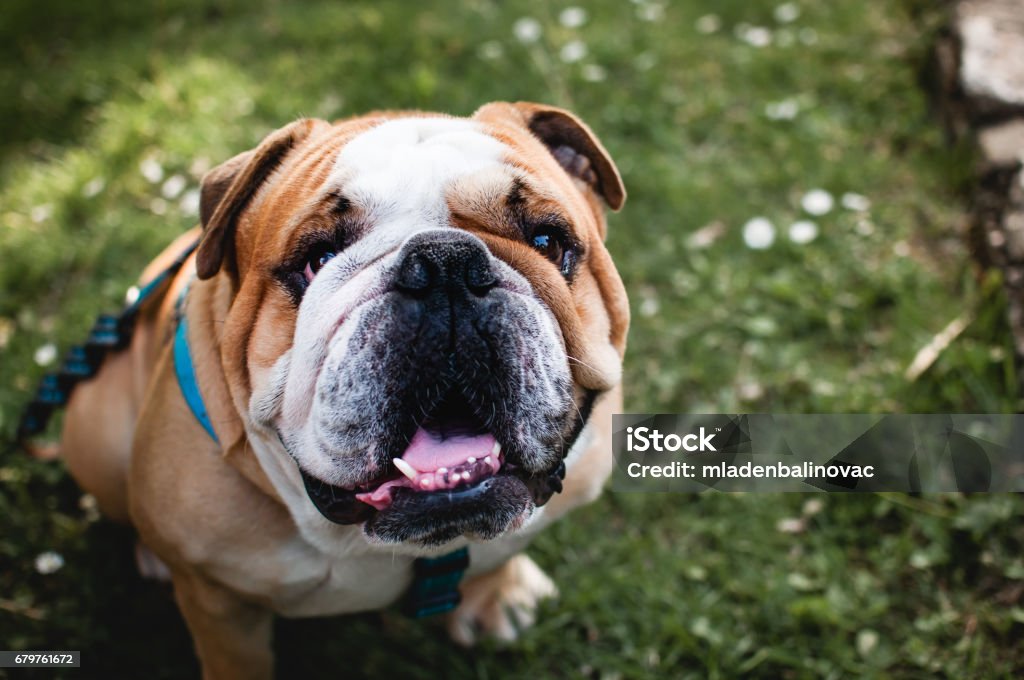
(232, 637)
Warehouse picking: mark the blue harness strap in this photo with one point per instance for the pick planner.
(435, 585)
(185, 371)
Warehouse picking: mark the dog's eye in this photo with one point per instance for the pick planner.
(316, 263)
(550, 242)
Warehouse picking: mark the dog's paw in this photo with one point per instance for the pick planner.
(150, 566)
(501, 603)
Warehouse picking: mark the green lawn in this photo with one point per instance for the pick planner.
(110, 118)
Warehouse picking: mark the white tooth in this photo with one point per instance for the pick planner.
(487, 460)
(406, 469)
(441, 471)
(471, 460)
(426, 482)
(497, 449)
(465, 476)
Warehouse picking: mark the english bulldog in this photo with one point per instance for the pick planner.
(408, 336)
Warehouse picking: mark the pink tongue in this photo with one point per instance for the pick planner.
(426, 453)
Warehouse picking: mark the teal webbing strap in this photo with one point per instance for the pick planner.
(435, 585)
(185, 371)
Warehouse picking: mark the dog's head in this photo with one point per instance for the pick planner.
(422, 309)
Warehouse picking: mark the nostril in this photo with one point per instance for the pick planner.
(480, 278)
(415, 276)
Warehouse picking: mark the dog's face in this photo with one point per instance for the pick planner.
(423, 310)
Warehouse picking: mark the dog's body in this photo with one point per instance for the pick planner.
(397, 293)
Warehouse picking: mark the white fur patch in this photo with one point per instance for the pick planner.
(400, 171)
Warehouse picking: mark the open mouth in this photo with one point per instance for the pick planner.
(452, 468)
(434, 462)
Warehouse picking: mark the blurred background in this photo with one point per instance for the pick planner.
(793, 239)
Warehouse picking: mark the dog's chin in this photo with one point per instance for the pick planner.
(484, 511)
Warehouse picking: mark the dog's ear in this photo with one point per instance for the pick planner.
(227, 189)
(573, 144)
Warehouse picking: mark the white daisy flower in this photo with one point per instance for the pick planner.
(199, 166)
(93, 187)
(758, 233)
(49, 562)
(46, 354)
(824, 388)
(527, 30)
(855, 202)
(817, 202)
(572, 17)
(786, 13)
(151, 170)
(803, 231)
(573, 51)
(755, 36)
(750, 391)
(867, 640)
(189, 203)
(708, 24)
(649, 306)
(812, 507)
(785, 109)
(41, 213)
(174, 185)
(650, 12)
(791, 525)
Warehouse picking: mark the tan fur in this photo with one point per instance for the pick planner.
(209, 511)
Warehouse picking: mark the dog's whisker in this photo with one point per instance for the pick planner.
(581, 362)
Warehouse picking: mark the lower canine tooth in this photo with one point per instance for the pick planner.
(497, 449)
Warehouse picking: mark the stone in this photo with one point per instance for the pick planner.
(992, 54)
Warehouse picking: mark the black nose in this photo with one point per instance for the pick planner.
(445, 261)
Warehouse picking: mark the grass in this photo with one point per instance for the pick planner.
(683, 586)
